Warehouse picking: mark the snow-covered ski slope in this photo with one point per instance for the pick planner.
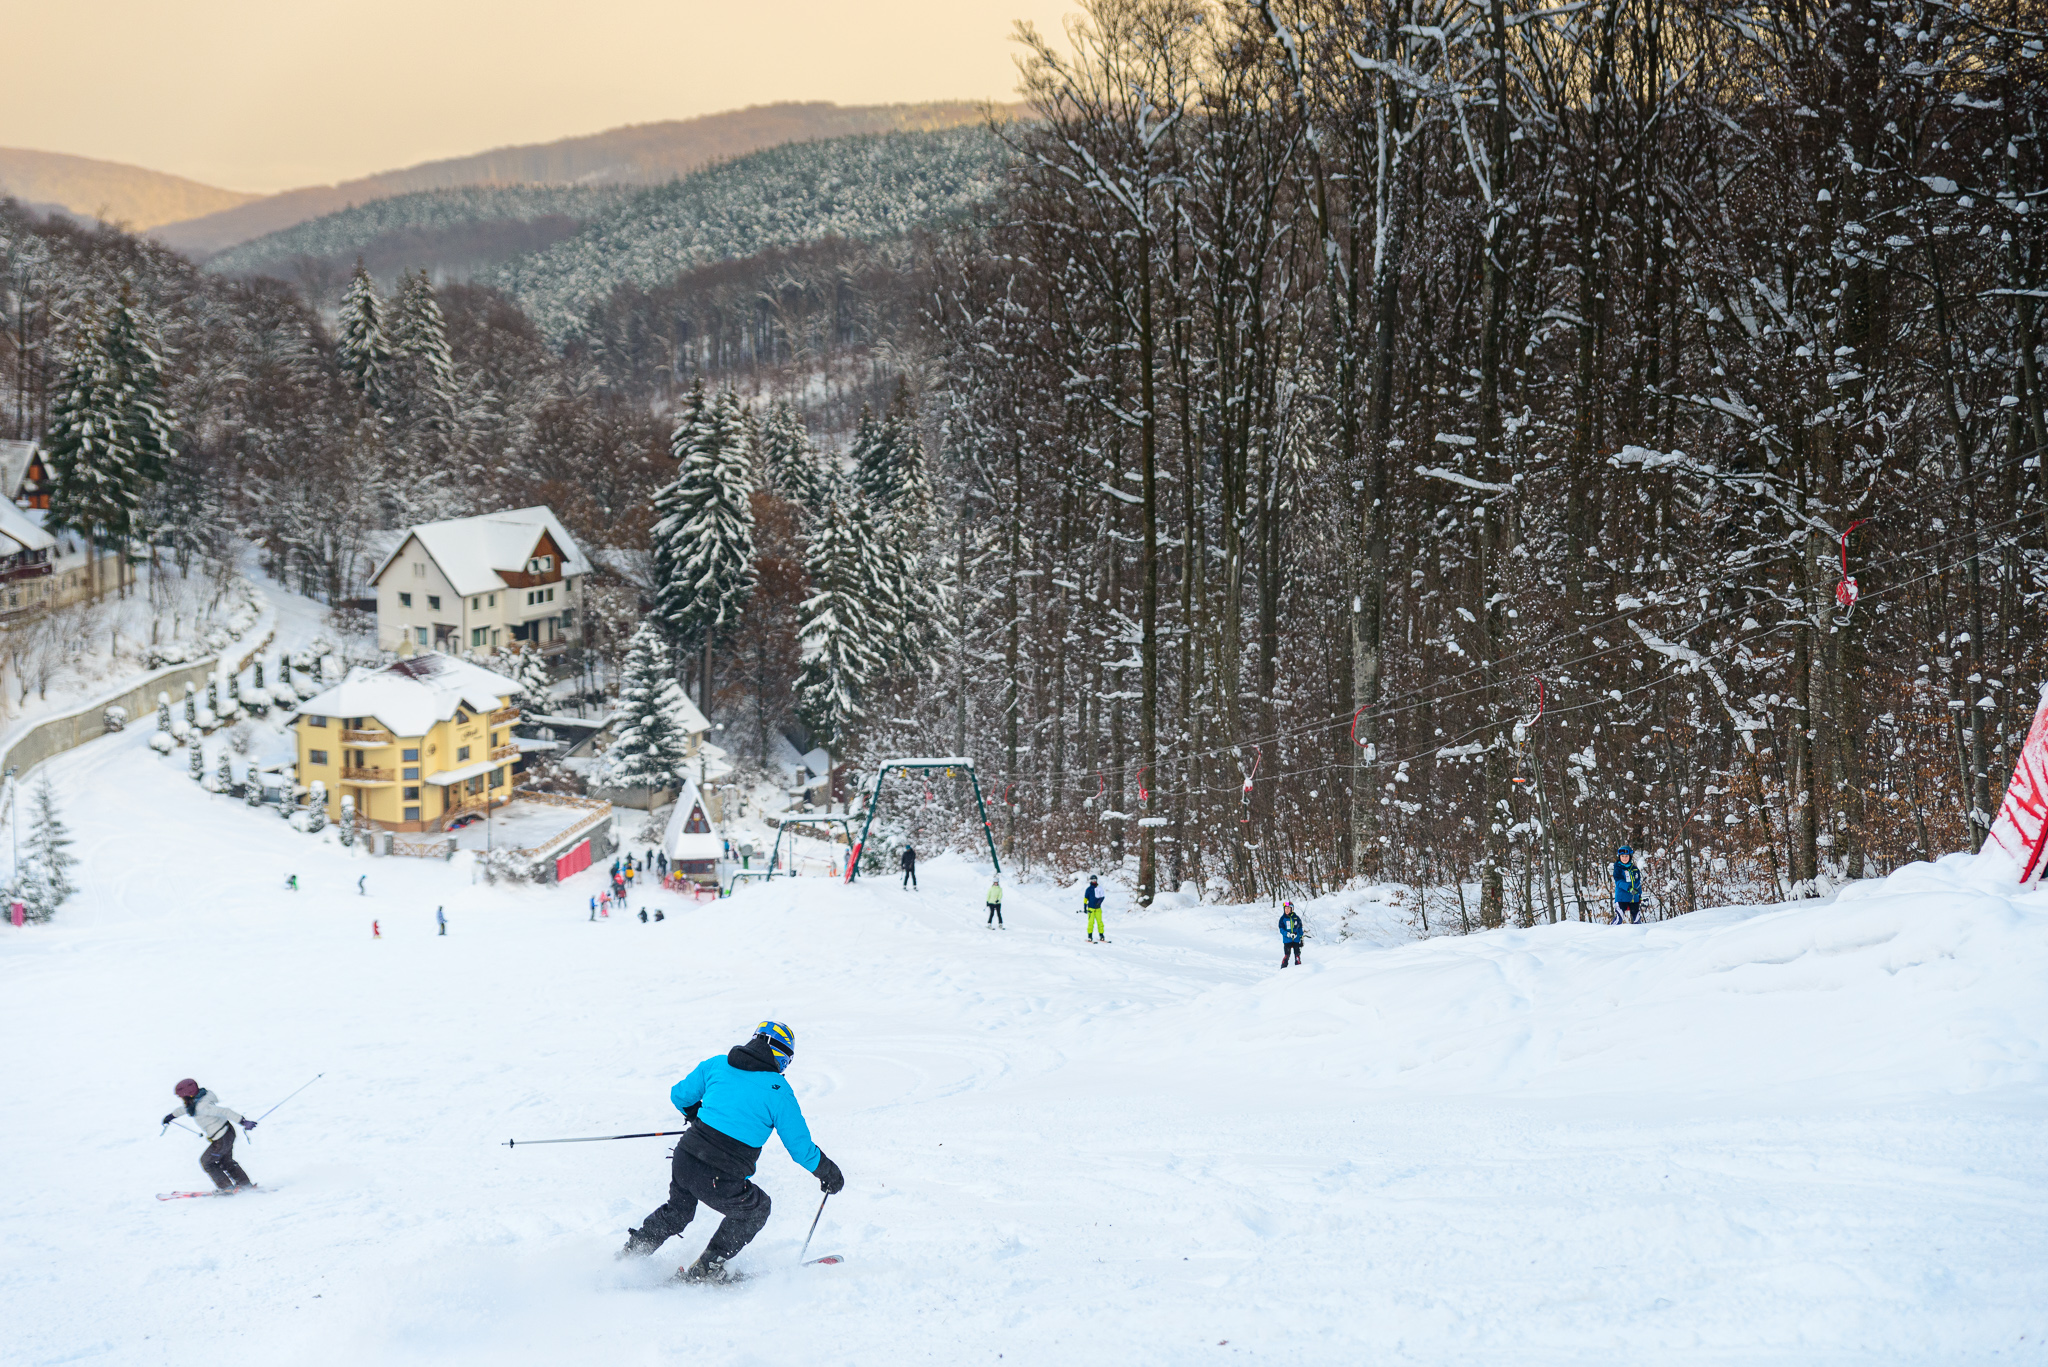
(1802, 1135)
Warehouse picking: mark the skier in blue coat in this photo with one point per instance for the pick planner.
(1290, 933)
(734, 1103)
(1628, 887)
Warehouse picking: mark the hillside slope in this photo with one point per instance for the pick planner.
(863, 188)
(640, 154)
(1805, 1134)
(131, 195)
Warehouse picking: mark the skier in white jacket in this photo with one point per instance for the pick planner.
(217, 1124)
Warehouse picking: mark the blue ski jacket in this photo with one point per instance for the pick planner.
(1290, 929)
(1628, 882)
(746, 1105)
(1091, 898)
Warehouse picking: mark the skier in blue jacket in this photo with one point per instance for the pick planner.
(733, 1103)
(1290, 933)
(1628, 887)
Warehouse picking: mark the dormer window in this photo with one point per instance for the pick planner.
(540, 564)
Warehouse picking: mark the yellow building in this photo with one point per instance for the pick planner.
(414, 743)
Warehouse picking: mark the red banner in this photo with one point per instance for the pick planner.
(575, 861)
(2021, 829)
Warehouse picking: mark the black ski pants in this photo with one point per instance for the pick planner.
(1286, 949)
(995, 913)
(744, 1206)
(910, 875)
(219, 1162)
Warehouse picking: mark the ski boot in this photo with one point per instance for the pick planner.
(707, 1269)
(638, 1245)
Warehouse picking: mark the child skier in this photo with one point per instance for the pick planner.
(1628, 887)
(1091, 902)
(907, 861)
(1290, 933)
(734, 1103)
(217, 1126)
(441, 919)
(995, 904)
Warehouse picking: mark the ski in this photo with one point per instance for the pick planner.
(189, 1195)
(829, 1260)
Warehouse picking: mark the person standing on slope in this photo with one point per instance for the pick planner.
(1091, 902)
(1628, 887)
(995, 904)
(217, 1126)
(441, 919)
(733, 1103)
(907, 861)
(1290, 933)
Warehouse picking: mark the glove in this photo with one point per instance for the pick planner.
(691, 1110)
(169, 1118)
(831, 1180)
(248, 1125)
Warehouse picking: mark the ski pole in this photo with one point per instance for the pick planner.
(316, 1077)
(814, 1228)
(181, 1125)
(599, 1138)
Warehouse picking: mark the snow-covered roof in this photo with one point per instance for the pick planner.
(472, 550)
(678, 843)
(464, 774)
(15, 457)
(408, 697)
(18, 531)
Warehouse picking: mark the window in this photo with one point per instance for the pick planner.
(412, 814)
(316, 757)
(419, 570)
(411, 757)
(540, 564)
(476, 636)
(434, 601)
(494, 600)
(474, 604)
(497, 778)
(495, 742)
(412, 795)
(411, 775)
(316, 721)
(461, 753)
(421, 634)
(405, 600)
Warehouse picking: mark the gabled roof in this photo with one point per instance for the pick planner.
(471, 550)
(15, 458)
(408, 697)
(19, 532)
(678, 843)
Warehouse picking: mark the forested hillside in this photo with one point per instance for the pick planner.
(862, 189)
(451, 234)
(89, 188)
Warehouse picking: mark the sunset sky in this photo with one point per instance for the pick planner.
(260, 95)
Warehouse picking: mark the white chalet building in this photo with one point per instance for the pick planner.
(488, 584)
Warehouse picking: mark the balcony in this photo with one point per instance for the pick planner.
(359, 773)
(368, 738)
(503, 716)
(505, 752)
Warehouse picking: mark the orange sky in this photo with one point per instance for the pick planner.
(269, 94)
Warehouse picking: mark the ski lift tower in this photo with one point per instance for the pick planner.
(951, 766)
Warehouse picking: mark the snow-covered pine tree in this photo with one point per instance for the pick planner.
(191, 705)
(422, 383)
(198, 759)
(534, 679)
(889, 465)
(316, 808)
(225, 778)
(837, 624)
(361, 343)
(163, 712)
(705, 538)
(652, 745)
(790, 461)
(252, 793)
(109, 438)
(348, 821)
(49, 842)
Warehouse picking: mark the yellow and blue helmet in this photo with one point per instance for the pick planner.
(781, 1042)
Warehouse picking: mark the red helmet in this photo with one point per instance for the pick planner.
(187, 1089)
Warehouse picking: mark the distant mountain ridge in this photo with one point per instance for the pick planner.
(638, 154)
(865, 188)
(86, 187)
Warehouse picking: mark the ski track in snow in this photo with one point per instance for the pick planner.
(1806, 1135)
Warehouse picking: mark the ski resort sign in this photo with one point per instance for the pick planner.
(2021, 829)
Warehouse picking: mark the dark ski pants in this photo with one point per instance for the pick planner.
(1285, 950)
(219, 1162)
(744, 1206)
(1628, 913)
(995, 913)
(910, 877)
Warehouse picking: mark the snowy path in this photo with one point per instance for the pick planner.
(1804, 1136)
